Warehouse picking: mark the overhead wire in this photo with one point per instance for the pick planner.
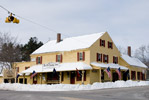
(37, 23)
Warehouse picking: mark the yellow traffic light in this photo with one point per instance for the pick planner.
(15, 20)
(7, 20)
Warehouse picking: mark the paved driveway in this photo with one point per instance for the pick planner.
(133, 93)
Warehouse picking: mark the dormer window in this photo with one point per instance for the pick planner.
(110, 45)
(102, 42)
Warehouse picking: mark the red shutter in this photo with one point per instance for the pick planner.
(101, 58)
(104, 43)
(97, 57)
(100, 42)
(36, 60)
(107, 59)
(83, 56)
(61, 58)
(78, 56)
(111, 45)
(56, 58)
(84, 75)
(41, 60)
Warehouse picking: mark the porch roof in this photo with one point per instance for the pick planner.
(111, 65)
(58, 67)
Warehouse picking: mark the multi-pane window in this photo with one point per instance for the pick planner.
(99, 57)
(102, 42)
(58, 58)
(110, 45)
(115, 60)
(81, 56)
(39, 60)
(105, 58)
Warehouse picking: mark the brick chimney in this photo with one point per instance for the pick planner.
(58, 37)
(129, 51)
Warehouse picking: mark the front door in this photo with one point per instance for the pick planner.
(72, 78)
(115, 76)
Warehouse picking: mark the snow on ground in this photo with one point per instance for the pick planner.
(70, 87)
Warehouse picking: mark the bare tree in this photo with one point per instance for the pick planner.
(142, 53)
(9, 51)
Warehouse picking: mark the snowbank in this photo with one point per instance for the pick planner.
(70, 87)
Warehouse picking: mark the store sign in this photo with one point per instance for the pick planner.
(9, 73)
(51, 65)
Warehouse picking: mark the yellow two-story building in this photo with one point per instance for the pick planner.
(79, 60)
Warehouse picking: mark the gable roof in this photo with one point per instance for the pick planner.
(68, 44)
(133, 61)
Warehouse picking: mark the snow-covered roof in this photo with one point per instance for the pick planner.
(68, 44)
(58, 67)
(111, 65)
(133, 61)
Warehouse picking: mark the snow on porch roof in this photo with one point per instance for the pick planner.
(68, 44)
(111, 65)
(133, 61)
(58, 67)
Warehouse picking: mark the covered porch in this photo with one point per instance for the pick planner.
(65, 73)
(100, 69)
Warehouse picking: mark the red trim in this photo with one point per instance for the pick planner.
(61, 58)
(83, 56)
(41, 60)
(77, 56)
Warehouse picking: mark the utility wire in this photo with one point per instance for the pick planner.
(39, 24)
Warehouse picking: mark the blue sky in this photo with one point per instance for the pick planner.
(126, 21)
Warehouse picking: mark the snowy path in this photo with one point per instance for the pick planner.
(69, 87)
